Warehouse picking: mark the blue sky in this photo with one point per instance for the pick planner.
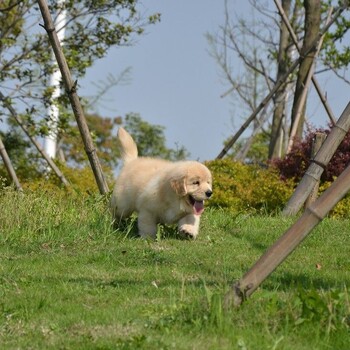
(176, 83)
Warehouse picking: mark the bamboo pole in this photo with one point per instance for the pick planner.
(286, 244)
(314, 80)
(278, 84)
(319, 163)
(9, 166)
(316, 145)
(19, 121)
(71, 88)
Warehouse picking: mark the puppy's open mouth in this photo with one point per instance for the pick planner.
(198, 206)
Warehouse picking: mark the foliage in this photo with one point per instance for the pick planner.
(335, 52)
(295, 163)
(81, 181)
(342, 208)
(72, 159)
(150, 139)
(104, 137)
(24, 158)
(257, 152)
(247, 188)
(68, 280)
(323, 308)
(30, 166)
(92, 27)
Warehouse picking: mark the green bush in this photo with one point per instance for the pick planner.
(247, 188)
(81, 181)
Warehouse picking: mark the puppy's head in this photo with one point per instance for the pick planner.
(193, 184)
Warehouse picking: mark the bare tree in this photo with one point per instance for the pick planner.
(242, 40)
(266, 33)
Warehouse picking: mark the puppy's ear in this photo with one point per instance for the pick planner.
(179, 186)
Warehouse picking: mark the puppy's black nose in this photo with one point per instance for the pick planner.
(208, 193)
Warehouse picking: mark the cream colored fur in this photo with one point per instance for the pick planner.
(159, 191)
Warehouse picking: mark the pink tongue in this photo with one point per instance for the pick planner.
(198, 207)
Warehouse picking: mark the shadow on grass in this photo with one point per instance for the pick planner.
(122, 283)
(293, 281)
(128, 229)
(101, 283)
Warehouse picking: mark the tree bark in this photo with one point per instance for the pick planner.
(311, 32)
(296, 43)
(279, 98)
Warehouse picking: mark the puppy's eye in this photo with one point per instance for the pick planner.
(195, 182)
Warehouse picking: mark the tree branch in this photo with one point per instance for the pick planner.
(10, 7)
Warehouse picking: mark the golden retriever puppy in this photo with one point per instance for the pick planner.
(159, 191)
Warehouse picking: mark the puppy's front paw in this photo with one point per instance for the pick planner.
(188, 232)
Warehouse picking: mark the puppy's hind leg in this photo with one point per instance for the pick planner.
(147, 225)
(189, 226)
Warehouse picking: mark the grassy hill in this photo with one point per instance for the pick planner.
(68, 280)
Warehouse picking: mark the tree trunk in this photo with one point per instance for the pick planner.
(279, 98)
(312, 29)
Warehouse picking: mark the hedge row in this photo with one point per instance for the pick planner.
(238, 188)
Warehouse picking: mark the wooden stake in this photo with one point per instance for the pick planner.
(9, 167)
(286, 244)
(71, 88)
(316, 145)
(319, 163)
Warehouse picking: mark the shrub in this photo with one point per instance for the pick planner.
(250, 188)
(296, 162)
(81, 180)
(342, 209)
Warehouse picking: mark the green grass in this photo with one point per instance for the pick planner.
(68, 280)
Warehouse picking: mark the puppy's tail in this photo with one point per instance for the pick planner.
(128, 148)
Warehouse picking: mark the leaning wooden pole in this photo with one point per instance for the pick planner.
(318, 164)
(316, 145)
(71, 88)
(286, 244)
(8, 166)
(278, 84)
(19, 121)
